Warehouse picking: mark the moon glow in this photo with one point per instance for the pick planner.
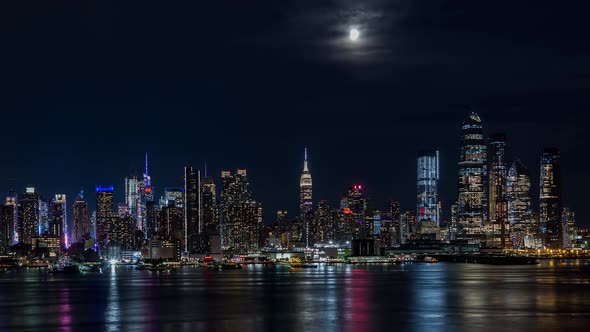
(354, 34)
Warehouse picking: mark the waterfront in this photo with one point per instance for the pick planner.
(554, 295)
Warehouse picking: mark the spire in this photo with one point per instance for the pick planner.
(305, 167)
(205, 168)
(81, 194)
(147, 176)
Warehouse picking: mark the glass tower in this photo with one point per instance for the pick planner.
(472, 201)
(427, 187)
(550, 198)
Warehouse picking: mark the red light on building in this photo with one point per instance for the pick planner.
(148, 189)
(347, 211)
(422, 211)
(208, 258)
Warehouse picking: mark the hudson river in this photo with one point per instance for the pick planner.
(554, 295)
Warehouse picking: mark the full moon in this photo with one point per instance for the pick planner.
(354, 34)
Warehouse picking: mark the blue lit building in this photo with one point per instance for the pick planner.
(427, 206)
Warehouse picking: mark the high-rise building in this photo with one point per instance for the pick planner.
(81, 219)
(120, 231)
(395, 212)
(324, 228)
(427, 187)
(104, 212)
(518, 192)
(568, 223)
(146, 194)
(498, 203)
(192, 220)
(236, 210)
(520, 213)
(209, 205)
(550, 198)
(58, 219)
(498, 174)
(472, 201)
(305, 189)
(132, 197)
(28, 216)
(7, 221)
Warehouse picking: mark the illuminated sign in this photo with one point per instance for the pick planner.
(347, 211)
(104, 189)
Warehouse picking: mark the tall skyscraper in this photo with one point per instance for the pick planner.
(550, 198)
(146, 194)
(518, 192)
(209, 205)
(236, 210)
(472, 201)
(7, 221)
(192, 225)
(305, 189)
(498, 174)
(498, 203)
(427, 187)
(58, 218)
(80, 219)
(104, 212)
(28, 216)
(132, 197)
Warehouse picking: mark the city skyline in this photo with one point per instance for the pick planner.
(427, 209)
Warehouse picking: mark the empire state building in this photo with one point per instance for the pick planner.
(305, 187)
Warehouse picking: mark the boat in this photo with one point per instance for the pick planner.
(90, 268)
(224, 266)
(230, 266)
(71, 269)
(298, 263)
(429, 259)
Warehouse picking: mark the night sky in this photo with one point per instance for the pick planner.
(86, 88)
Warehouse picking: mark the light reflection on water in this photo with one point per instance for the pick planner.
(415, 297)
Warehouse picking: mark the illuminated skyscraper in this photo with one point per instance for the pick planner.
(132, 197)
(427, 187)
(236, 210)
(58, 218)
(498, 203)
(28, 216)
(498, 174)
(146, 194)
(209, 205)
(472, 201)
(43, 225)
(550, 198)
(7, 221)
(305, 189)
(519, 194)
(81, 219)
(192, 225)
(104, 212)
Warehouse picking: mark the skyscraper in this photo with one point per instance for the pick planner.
(427, 187)
(132, 197)
(209, 205)
(28, 216)
(7, 217)
(472, 201)
(518, 192)
(80, 219)
(192, 225)
(58, 218)
(104, 212)
(305, 189)
(550, 198)
(498, 174)
(498, 203)
(236, 210)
